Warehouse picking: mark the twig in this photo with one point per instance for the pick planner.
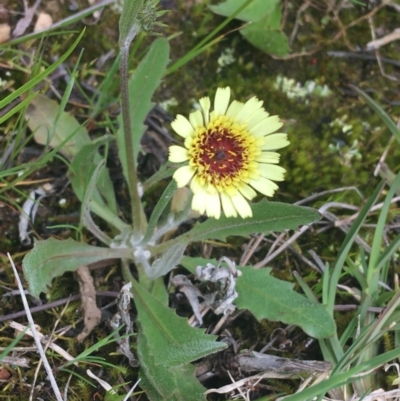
(31, 395)
(40, 308)
(362, 56)
(375, 46)
(300, 11)
(336, 37)
(56, 348)
(383, 157)
(35, 334)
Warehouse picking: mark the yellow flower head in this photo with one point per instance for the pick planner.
(230, 154)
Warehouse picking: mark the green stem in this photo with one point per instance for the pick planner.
(126, 271)
(143, 279)
(137, 213)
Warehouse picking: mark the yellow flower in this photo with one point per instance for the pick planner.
(229, 153)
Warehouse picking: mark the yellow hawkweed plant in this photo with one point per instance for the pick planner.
(230, 154)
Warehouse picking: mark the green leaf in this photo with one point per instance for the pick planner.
(267, 216)
(190, 263)
(159, 291)
(176, 384)
(253, 12)
(169, 336)
(159, 209)
(268, 40)
(168, 261)
(52, 258)
(53, 128)
(266, 35)
(80, 173)
(269, 298)
(142, 86)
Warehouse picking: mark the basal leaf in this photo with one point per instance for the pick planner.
(253, 12)
(170, 337)
(176, 384)
(168, 260)
(52, 258)
(190, 263)
(267, 216)
(142, 86)
(159, 291)
(52, 127)
(159, 209)
(269, 298)
(82, 168)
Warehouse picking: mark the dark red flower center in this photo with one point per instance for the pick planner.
(221, 153)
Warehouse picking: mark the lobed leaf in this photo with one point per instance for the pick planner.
(171, 340)
(266, 297)
(267, 216)
(175, 384)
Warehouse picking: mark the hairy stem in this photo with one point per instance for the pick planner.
(137, 213)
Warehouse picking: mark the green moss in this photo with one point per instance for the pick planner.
(311, 161)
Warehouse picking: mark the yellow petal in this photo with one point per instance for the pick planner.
(264, 186)
(247, 191)
(268, 157)
(205, 105)
(182, 126)
(272, 172)
(177, 154)
(242, 206)
(221, 100)
(257, 117)
(267, 126)
(227, 205)
(249, 108)
(196, 185)
(183, 175)
(199, 202)
(275, 141)
(196, 119)
(213, 205)
(234, 109)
